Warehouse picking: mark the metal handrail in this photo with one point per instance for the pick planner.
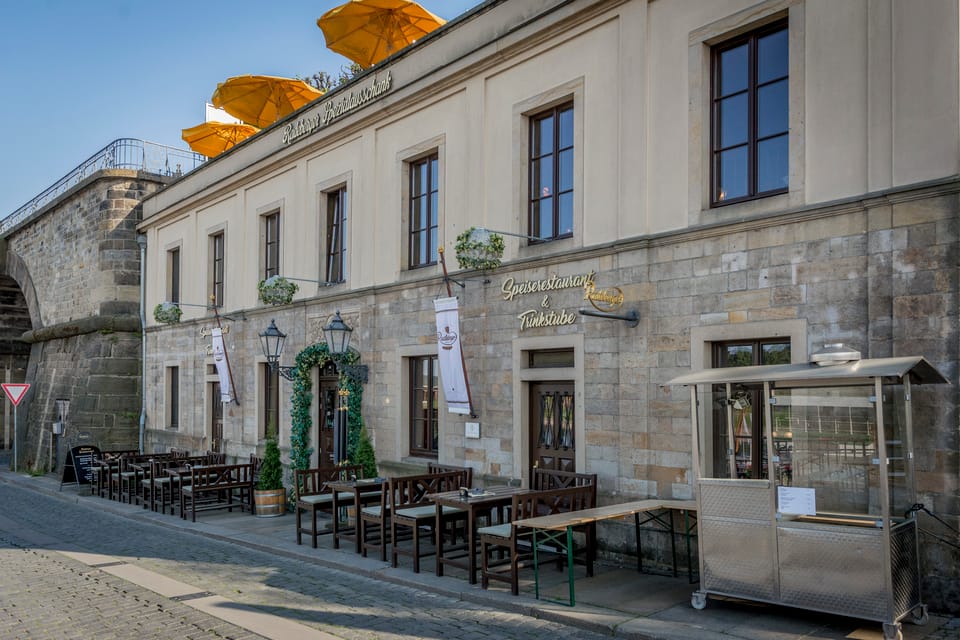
(122, 153)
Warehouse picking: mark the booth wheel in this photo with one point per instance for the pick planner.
(698, 600)
(919, 615)
(891, 631)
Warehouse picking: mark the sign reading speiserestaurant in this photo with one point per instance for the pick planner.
(545, 316)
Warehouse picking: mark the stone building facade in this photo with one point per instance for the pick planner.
(853, 240)
(75, 265)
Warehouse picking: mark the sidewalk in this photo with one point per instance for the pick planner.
(617, 601)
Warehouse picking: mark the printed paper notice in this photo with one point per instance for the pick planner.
(793, 500)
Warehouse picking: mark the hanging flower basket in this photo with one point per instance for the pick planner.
(479, 249)
(277, 290)
(167, 313)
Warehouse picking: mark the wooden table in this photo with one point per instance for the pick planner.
(364, 492)
(493, 498)
(558, 529)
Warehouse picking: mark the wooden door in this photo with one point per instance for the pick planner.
(216, 419)
(552, 428)
(326, 414)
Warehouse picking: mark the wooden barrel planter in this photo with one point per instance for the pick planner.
(269, 503)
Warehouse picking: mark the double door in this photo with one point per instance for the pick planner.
(552, 426)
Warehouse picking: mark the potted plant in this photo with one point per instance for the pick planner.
(269, 496)
(479, 249)
(365, 455)
(167, 313)
(277, 290)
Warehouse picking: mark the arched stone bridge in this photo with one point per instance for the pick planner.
(70, 304)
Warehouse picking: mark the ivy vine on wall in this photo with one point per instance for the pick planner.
(317, 355)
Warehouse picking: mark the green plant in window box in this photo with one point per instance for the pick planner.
(167, 313)
(277, 290)
(479, 249)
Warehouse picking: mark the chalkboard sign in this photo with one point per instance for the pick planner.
(78, 467)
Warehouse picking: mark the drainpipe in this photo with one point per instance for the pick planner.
(142, 241)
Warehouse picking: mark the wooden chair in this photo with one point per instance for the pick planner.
(215, 457)
(544, 479)
(257, 462)
(312, 494)
(413, 513)
(510, 537)
(436, 467)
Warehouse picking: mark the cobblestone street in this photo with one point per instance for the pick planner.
(48, 595)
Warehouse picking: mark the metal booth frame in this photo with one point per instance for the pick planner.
(756, 543)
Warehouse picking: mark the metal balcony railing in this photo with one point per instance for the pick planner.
(123, 153)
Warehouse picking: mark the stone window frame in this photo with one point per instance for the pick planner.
(702, 339)
(418, 451)
(405, 158)
(699, 66)
(172, 408)
(322, 193)
(572, 91)
(173, 270)
(403, 430)
(211, 296)
(523, 375)
(264, 213)
(267, 378)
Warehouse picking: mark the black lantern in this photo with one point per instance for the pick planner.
(272, 340)
(337, 334)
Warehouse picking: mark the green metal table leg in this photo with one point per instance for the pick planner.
(570, 563)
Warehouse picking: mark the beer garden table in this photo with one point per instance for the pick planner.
(558, 529)
(475, 505)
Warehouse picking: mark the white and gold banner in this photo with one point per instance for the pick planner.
(223, 367)
(453, 377)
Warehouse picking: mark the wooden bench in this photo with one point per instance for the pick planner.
(510, 535)
(402, 492)
(206, 487)
(312, 494)
(558, 529)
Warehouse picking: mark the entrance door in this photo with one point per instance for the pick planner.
(552, 443)
(216, 419)
(326, 415)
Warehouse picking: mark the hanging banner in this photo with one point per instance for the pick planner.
(450, 356)
(223, 368)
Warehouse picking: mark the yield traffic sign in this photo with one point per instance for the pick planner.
(15, 391)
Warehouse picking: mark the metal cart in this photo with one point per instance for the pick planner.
(804, 474)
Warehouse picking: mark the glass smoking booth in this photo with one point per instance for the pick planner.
(804, 476)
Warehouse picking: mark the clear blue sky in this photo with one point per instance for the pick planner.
(76, 75)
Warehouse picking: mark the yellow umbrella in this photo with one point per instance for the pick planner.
(262, 100)
(367, 31)
(213, 138)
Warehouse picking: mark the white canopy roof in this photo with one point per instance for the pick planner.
(891, 369)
